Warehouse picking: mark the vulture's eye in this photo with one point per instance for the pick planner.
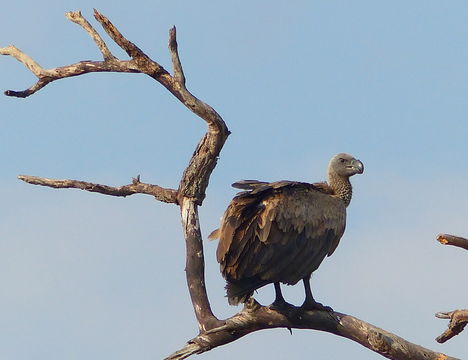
(342, 160)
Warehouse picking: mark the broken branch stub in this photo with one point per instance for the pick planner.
(447, 239)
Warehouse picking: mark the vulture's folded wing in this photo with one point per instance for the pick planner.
(279, 231)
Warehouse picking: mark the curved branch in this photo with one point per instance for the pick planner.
(195, 178)
(192, 189)
(255, 317)
(446, 239)
(136, 187)
(46, 76)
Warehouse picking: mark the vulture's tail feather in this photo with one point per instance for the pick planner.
(240, 291)
(214, 235)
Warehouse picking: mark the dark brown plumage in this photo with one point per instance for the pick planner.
(280, 232)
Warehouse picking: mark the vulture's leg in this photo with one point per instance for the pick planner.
(279, 302)
(309, 302)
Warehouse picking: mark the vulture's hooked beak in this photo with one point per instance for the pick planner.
(357, 166)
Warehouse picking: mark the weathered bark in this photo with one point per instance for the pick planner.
(192, 187)
(458, 321)
(458, 318)
(189, 195)
(136, 187)
(255, 317)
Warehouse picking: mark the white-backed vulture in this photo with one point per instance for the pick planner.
(280, 232)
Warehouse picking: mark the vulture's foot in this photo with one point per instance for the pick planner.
(281, 305)
(311, 305)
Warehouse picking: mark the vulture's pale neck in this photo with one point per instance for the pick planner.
(340, 186)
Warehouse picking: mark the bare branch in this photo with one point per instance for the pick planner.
(194, 182)
(458, 321)
(446, 239)
(156, 71)
(77, 18)
(140, 64)
(131, 49)
(25, 93)
(136, 187)
(47, 76)
(255, 317)
(33, 66)
(176, 64)
(458, 318)
(195, 265)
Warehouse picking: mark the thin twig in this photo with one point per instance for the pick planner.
(176, 64)
(33, 66)
(136, 187)
(77, 18)
(132, 50)
(47, 76)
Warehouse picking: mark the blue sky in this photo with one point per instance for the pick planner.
(89, 276)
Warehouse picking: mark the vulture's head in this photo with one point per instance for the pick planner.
(344, 165)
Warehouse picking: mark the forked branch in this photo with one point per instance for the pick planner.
(136, 187)
(458, 321)
(46, 76)
(194, 181)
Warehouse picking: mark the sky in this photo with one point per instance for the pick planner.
(88, 276)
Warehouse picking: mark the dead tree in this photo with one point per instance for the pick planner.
(458, 318)
(189, 196)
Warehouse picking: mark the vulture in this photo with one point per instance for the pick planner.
(280, 232)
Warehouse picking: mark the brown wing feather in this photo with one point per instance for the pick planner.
(248, 184)
(278, 232)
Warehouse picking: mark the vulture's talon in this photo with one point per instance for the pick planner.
(315, 306)
(281, 306)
